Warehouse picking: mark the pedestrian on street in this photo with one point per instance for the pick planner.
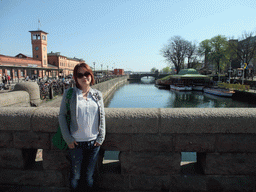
(4, 80)
(86, 132)
(9, 79)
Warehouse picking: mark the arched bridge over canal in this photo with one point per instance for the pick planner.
(138, 76)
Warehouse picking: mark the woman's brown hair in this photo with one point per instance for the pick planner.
(88, 69)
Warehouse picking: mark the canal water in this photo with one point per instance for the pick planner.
(145, 94)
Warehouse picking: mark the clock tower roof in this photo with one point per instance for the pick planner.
(38, 31)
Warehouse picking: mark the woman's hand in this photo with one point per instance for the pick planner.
(72, 145)
(96, 144)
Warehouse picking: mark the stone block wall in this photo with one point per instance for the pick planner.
(150, 142)
(108, 87)
(25, 94)
(17, 98)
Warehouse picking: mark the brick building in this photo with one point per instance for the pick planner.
(65, 64)
(118, 72)
(40, 64)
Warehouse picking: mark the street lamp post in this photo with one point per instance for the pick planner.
(94, 67)
(229, 72)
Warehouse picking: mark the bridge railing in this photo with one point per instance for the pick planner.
(150, 142)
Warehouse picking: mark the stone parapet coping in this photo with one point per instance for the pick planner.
(140, 120)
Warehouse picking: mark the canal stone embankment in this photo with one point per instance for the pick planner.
(27, 94)
(245, 96)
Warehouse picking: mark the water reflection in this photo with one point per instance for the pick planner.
(145, 95)
(147, 80)
(202, 100)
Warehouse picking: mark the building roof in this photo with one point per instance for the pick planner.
(59, 55)
(52, 66)
(20, 55)
(188, 74)
(187, 71)
(38, 31)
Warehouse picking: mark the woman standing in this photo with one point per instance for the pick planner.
(87, 128)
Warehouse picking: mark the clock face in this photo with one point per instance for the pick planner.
(36, 48)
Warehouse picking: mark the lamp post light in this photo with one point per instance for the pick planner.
(94, 67)
(101, 67)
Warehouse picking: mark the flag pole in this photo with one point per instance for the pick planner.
(38, 24)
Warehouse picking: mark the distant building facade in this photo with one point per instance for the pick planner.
(40, 64)
(65, 64)
(118, 71)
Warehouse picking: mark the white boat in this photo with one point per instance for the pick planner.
(178, 87)
(188, 88)
(198, 88)
(172, 86)
(219, 92)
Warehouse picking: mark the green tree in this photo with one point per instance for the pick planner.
(205, 50)
(153, 70)
(166, 70)
(219, 51)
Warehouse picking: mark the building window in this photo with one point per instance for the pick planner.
(36, 37)
(36, 56)
(44, 37)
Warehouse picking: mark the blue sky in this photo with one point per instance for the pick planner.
(124, 34)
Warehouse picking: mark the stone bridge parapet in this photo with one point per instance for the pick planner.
(150, 142)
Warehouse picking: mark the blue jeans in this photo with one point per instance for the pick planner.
(83, 161)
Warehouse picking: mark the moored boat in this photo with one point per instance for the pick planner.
(181, 87)
(188, 88)
(219, 92)
(198, 87)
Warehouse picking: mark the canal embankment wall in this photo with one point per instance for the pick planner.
(150, 142)
(27, 94)
(107, 88)
(245, 96)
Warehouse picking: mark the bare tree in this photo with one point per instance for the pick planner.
(244, 47)
(191, 54)
(153, 70)
(175, 52)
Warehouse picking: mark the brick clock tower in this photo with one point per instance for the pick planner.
(39, 46)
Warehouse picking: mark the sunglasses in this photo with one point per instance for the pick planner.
(81, 75)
